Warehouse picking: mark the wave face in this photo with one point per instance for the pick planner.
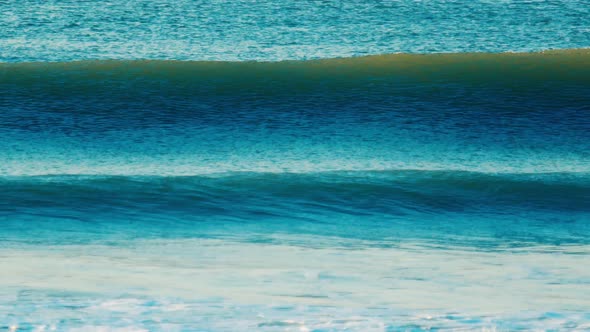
(283, 29)
(357, 194)
(512, 113)
(469, 209)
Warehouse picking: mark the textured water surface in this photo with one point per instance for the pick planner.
(67, 30)
(334, 285)
(150, 181)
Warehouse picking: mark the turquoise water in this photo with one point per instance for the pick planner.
(151, 180)
(67, 30)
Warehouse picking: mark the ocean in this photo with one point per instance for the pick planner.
(295, 166)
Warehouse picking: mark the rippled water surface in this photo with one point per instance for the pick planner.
(151, 181)
(283, 29)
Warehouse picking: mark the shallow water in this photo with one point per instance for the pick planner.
(333, 285)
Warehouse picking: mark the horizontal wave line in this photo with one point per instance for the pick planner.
(369, 192)
(571, 64)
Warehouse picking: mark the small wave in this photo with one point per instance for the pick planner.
(367, 192)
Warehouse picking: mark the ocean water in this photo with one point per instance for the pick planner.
(66, 30)
(295, 166)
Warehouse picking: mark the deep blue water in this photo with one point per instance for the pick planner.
(394, 192)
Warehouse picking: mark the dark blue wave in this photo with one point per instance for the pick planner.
(510, 112)
(484, 147)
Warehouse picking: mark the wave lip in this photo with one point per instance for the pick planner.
(566, 65)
